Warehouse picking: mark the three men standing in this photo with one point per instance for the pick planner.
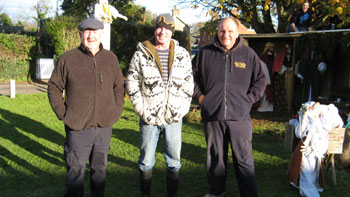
(160, 86)
(92, 81)
(228, 80)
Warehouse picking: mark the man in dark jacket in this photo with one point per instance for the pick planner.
(94, 96)
(228, 80)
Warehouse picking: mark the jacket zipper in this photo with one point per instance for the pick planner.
(101, 80)
(226, 57)
(95, 81)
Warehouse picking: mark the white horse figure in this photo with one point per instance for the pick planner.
(315, 121)
(106, 13)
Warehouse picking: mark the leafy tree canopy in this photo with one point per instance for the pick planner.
(5, 20)
(261, 13)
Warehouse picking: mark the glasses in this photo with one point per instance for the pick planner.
(162, 18)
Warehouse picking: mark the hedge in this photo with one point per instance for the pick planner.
(16, 52)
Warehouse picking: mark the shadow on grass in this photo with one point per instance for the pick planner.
(21, 173)
(15, 123)
(20, 176)
(189, 151)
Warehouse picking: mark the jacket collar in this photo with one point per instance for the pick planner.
(86, 51)
(150, 44)
(239, 43)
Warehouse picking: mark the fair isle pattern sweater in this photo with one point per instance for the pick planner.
(153, 102)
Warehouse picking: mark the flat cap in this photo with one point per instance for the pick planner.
(90, 23)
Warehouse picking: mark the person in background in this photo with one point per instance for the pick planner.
(301, 19)
(267, 57)
(93, 87)
(228, 80)
(281, 71)
(160, 86)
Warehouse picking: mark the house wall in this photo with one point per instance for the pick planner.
(205, 38)
(180, 26)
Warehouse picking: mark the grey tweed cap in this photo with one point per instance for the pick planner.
(90, 23)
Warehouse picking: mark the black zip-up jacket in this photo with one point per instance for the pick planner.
(231, 81)
(94, 89)
(301, 19)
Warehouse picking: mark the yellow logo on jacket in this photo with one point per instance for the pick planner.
(240, 65)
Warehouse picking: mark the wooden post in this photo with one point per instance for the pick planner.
(333, 171)
(12, 88)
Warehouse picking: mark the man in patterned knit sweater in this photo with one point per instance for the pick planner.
(160, 86)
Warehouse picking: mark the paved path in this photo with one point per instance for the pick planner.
(23, 88)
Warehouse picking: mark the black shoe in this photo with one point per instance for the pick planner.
(172, 181)
(145, 182)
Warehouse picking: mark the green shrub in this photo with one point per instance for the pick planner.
(125, 36)
(16, 53)
(17, 47)
(17, 70)
(63, 33)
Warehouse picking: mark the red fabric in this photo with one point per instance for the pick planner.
(278, 61)
(295, 165)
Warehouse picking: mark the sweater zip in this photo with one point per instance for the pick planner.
(226, 57)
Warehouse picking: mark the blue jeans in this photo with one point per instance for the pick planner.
(149, 135)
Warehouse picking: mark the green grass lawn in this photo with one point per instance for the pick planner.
(31, 153)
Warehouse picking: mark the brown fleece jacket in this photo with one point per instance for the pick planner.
(94, 89)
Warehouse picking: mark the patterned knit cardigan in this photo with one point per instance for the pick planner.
(152, 101)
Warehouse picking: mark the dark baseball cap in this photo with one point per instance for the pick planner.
(90, 23)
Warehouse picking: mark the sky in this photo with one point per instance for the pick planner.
(188, 15)
(23, 9)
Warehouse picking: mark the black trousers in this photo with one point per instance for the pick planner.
(218, 134)
(80, 146)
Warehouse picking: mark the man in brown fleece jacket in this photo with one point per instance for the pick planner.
(94, 96)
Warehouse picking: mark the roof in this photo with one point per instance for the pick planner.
(291, 34)
(181, 21)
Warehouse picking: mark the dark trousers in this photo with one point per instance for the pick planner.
(80, 146)
(218, 134)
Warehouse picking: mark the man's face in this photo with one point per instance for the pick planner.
(227, 33)
(305, 7)
(91, 39)
(163, 36)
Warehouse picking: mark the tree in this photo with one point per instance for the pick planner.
(260, 13)
(331, 11)
(42, 8)
(5, 20)
(80, 9)
(195, 28)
